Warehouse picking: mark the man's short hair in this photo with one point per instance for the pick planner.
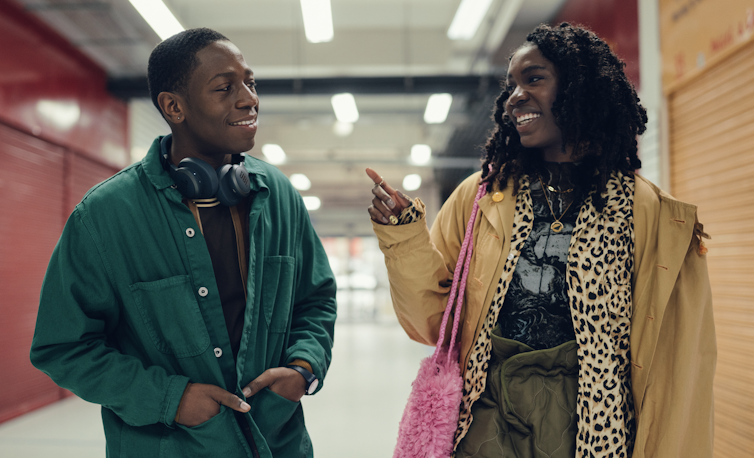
(172, 61)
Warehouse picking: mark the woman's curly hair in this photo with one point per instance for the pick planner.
(596, 109)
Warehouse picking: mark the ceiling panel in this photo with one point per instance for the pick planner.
(398, 38)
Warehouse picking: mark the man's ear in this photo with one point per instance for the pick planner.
(171, 105)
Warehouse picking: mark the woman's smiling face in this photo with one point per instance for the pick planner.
(533, 86)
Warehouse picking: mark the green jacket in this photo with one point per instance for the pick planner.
(130, 312)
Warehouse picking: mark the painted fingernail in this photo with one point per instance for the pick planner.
(390, 203)
(245, 406)
(384, 220)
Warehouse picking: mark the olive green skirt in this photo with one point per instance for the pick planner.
(528, 409)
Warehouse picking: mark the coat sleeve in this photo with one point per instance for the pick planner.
(678, 412)
(314, 306)
(420, 263)
(78, 310)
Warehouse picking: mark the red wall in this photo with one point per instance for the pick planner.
(56, 118)
(615, 21)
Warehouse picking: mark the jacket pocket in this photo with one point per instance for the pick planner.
(171, 316)
(216, 437)
(277, 291)
(281, 422)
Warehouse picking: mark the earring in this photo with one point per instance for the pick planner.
(179, 118)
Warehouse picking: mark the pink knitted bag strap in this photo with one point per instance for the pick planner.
(464, 258)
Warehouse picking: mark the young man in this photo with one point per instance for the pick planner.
(189, 294)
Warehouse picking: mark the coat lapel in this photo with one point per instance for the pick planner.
(499, 214)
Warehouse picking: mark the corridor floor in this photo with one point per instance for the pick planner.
(355, 415)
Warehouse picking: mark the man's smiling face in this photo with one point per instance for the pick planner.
(533, 86)
(221, 102)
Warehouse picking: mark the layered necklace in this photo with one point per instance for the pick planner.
(556, 226)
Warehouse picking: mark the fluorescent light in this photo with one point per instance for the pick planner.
(342, 129)
(421, 154)
(437, 109)
(412, 182)
(345, 109)
(274, 153)
(159, 17)
(300, 182)
(467, 19)
(312, 203)
(63, 115)
(317, 20)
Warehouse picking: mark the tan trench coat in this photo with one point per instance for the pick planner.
(673, 347)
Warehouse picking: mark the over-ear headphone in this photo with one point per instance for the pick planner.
(196, 179)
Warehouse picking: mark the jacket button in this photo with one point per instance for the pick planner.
(218, 352)
(498, 197)
(190, 232)
(203, 291)
(511, 256)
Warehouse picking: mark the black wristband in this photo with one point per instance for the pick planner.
(311, 379)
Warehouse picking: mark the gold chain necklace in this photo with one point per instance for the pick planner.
(556, 226)
(552, 189)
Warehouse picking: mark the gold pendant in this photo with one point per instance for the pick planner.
(557, 226)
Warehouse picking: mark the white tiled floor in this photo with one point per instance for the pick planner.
(355, 415)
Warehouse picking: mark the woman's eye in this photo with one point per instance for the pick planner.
(252, 85)
(510, 88)
(225, 88)
(534, 79)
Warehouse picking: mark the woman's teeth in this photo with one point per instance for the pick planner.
(527, 118)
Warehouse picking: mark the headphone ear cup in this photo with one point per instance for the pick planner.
(195, 179)
(234, 184)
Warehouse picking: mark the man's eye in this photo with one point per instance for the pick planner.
(225, 88)
(534, 79)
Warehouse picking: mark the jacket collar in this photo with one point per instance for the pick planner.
(257, 173)
(153, 168)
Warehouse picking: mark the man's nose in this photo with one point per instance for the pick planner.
(247, 98)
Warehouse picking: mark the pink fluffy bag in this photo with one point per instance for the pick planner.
(429, 421)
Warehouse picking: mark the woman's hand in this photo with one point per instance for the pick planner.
(387, 203)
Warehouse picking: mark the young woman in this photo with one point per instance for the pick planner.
(587, 322)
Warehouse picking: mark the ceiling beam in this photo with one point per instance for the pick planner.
(438, 162)
(136, 87)
(68, 6)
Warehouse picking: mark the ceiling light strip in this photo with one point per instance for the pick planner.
(467, 19)
(437, 109)
(159, 17)
(317, 20)
(344, 106)
(274, 153)
(421, 154)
